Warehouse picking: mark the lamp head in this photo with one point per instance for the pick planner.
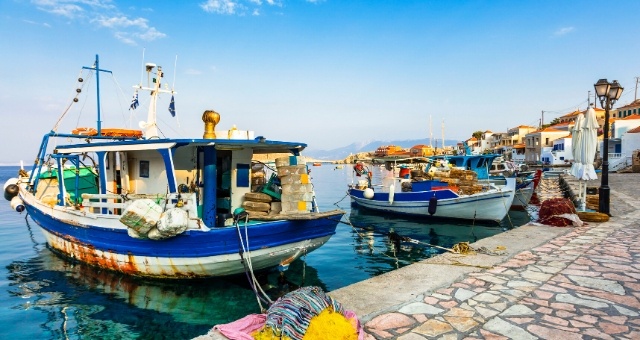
(602, 88)
(615, 91)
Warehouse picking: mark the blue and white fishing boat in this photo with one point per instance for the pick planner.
(451, 187)
(141, 204)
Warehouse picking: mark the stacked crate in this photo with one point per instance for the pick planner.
(297, 190)
(463, 181)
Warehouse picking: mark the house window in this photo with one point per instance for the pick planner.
(546, 141)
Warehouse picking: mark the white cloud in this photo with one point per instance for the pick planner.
(66, 10)
(106, 15)
(238, 7)
(125, 38)
(563, 31)
(151, 34)
(122, 21)
(219, 6)
(37, 23)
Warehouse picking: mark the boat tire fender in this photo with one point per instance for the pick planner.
(433, 205)
(11, 191)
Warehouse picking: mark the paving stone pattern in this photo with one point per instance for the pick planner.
(583, 285)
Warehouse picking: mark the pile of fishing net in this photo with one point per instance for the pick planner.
(558, 212)
(303, 314)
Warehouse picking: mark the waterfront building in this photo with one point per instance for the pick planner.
(537, 140)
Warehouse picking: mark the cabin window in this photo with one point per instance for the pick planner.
(144, 169)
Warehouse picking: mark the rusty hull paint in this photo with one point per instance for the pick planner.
(86, 253)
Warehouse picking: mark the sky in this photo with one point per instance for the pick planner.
(327, 73)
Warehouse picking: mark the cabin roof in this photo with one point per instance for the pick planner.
(259, 145)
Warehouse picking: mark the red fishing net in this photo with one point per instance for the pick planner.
(552, 208)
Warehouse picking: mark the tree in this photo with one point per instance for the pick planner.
(477, 134)
(553, 122)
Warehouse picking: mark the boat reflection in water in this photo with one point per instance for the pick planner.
(405, 240)
(80, 300)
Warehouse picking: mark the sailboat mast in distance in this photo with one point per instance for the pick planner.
(430, 133)
(443, 133)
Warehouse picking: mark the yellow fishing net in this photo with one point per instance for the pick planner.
(326, 325)
(330, 325)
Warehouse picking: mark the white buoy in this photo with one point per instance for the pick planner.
(392, 191)
(368, 193)
(17, 204)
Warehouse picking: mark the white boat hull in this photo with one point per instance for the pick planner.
(488, 206)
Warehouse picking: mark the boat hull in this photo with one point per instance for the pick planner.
(490, 206)
(193, 254)
(523, 196)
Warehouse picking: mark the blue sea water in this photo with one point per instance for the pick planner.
(45, 296)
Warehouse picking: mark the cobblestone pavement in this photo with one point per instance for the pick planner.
(582, 285)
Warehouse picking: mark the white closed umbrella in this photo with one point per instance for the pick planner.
(576, 142)
(589, 145)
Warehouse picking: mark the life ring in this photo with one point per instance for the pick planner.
(88, 131)
(85, 131)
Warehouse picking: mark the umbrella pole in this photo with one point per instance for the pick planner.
(583, 195)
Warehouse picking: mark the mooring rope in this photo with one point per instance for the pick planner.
(248, 268)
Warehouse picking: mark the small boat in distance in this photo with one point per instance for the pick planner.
(317, 164)
(139, 203)
(450, 187)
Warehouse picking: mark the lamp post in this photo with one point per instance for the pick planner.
(608, 93)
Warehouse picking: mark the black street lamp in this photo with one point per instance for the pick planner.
(608, 93)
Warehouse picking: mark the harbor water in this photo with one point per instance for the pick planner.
(45, 296)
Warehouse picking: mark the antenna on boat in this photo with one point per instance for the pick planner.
(175, 66)
(142, 69)
(154, 86)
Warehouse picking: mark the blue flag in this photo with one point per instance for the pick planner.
(134, 102)
(172, 107)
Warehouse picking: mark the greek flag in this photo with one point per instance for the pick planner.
(134, 102)
(172, 107)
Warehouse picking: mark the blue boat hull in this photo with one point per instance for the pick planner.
(192, 254)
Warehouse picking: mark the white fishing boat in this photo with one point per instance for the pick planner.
(136, 202)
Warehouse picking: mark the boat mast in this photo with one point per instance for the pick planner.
(96, 67)
(151, 126)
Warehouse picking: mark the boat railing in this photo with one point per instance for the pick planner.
(115, 204)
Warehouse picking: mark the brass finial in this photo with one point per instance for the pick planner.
(210, 119)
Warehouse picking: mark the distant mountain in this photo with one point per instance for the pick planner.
(369, 146)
